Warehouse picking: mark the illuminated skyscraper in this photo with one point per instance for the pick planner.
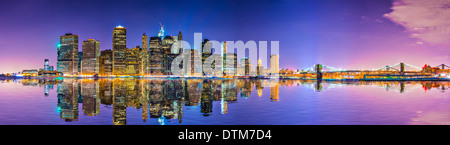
(166, 45)
(155, 59)
(205, 55)
(180, 39)
(91, 57)
(259, 68)
(274, 64)
(80, 58)
(161, 32)
(68, 54)
(230, 64)
(143, 57)
(119, 50)
(132, 61)
(106, 61)
(46, 68)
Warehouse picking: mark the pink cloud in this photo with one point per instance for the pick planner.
(427, 20)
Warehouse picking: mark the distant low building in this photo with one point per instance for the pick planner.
(33, 72)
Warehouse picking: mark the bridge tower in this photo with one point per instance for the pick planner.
(318, 69)
(443, 66)
(402, 67)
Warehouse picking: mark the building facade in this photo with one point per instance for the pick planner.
(274, 64)
(68, 54)
(106, 62)
(91, 57)
(155, 59)
(119, 50)
(133, 61)
(143, 57)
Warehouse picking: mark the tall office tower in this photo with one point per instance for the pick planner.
(230, 64)
(46, 68)
(175, 48)
(242, 69)
(259, 68)
(247, 66)
(143, 58)
(80, 58)
(204, 54)
(119, 50)
(195, 62)
(68, 54)
(180, 39)
(106, 62)
(91, 57)
(166, 45)
(274, 64)
(161, 32)
(224, 47)
(132, 61)
(155, 59)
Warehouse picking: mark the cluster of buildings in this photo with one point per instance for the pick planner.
(48, 70)
(153, 57)
(157, 99)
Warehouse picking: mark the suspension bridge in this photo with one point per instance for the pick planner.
(396, 72)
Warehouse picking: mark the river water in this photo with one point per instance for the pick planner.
(221, 102)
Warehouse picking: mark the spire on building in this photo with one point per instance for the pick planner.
(161, 32)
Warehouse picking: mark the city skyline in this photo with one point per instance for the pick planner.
(356, 33)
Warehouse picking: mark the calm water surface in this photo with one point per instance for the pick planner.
(221, 102)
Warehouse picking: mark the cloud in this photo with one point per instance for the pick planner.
(427, 20)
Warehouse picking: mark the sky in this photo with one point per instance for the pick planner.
(348, 34)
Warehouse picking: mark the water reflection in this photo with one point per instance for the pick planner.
(165, 99)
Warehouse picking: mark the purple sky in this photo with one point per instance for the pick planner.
(350, 34)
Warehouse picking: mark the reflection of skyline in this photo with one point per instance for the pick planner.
(165, 100)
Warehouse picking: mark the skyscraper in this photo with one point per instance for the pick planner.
(91, 57)
(80, 58)
(230, 64)
(143, 57)
(132, 61)
(166, 45)
(274, 64)
(259, 68)
(161, 32)
(68, 54)
(155, 59)
(180, 39)
(119, 50)
(106, 61)
(46, 68)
